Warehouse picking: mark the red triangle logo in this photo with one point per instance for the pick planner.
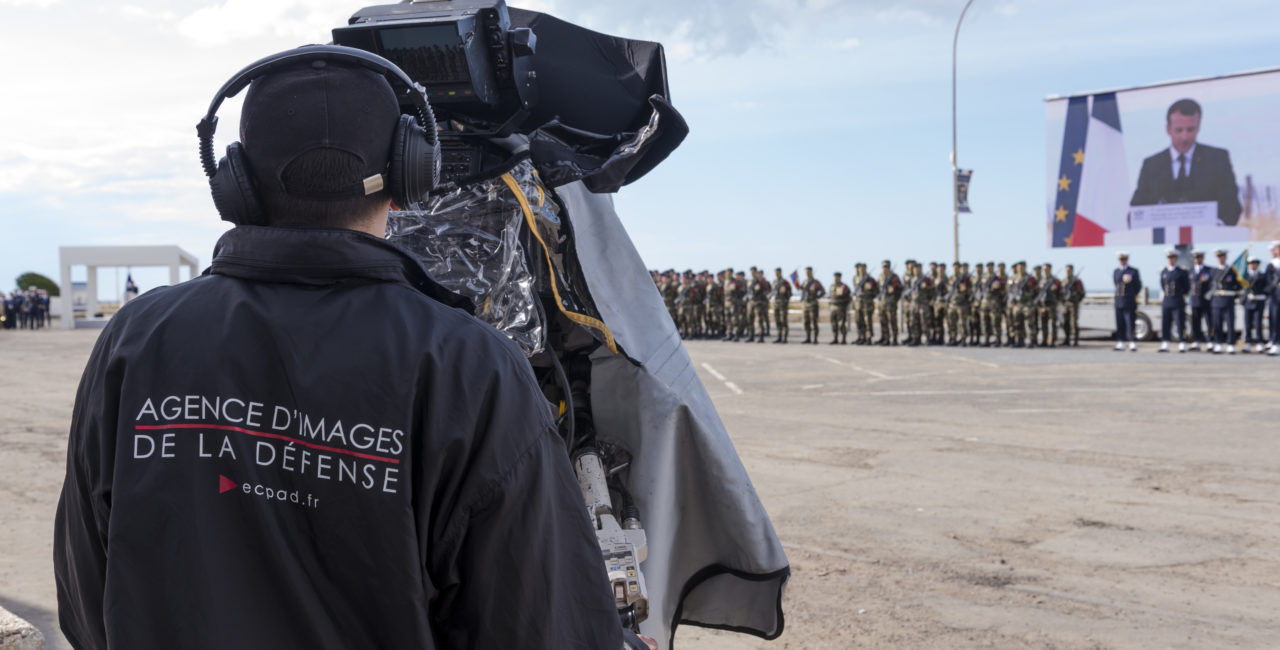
(225, 484)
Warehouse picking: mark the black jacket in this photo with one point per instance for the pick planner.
(1175, 283)
(304, 448)
(1211, 179)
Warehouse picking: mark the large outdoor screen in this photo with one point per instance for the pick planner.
(1177, 163)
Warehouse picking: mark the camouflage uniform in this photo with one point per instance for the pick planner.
(810, 292)
(759, 311)
(890, 293)
(726, 315)
(736, 296)
(670, 291)
(715, 307)
(865, 289)
(1028, 287)
(841, 297)
(690, 299)
(1047, 308)
(1031, 303)
(1072, 295)
(993, 301)
(781, 305)
(922, 312)
(975, 304)
(959, 303)
(941, 289)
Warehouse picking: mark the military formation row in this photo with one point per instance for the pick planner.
(987, 307)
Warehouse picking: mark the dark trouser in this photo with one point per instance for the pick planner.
(1174, 319)
(1124, 324)
(1253, 321)
(1224, 322)
(1273, 313)
(1201, 325)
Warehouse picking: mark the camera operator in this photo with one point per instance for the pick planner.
(313, 445)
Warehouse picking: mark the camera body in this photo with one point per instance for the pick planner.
(475, 69)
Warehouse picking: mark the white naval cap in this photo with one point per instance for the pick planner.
(1220, 251)
(1254, 260)
(1171, 252)
(1274, 244)
(1122, 254)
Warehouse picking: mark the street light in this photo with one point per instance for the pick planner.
(955, 188)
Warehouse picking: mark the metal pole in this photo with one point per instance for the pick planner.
(955, 163)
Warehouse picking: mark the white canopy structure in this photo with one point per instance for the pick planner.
(94, 257)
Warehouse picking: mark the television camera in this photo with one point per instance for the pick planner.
(526, 103)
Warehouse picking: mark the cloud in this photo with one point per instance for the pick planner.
(237, 20)
(38, 4)
(846, 44)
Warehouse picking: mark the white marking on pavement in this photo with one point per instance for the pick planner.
(732, 386)
(812, 386)
(838, 362)
(713, 372)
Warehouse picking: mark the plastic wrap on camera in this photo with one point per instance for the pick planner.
(470, 242)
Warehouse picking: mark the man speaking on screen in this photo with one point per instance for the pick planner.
(1189, 171)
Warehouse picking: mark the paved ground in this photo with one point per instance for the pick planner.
(927, 497)
(997, 498)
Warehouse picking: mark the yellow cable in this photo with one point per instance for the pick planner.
(581, 319)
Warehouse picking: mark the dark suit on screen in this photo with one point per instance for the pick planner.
(1210, 179)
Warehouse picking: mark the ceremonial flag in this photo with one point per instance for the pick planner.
(1241, 262)
(795, 278)
(1093, 181)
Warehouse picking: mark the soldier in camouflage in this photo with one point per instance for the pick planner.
(865, 290)
(1047, 307)
(922, 310)
(959, 302)
(670, 289)
(811, 291)
(758, 316)
(781, 305)
(890, 292)
(841, 298)
(715, 305)
(1072, 295)
(993, 302)
(975, 305)
(1033, 309)
(941, 290)
(690, 298)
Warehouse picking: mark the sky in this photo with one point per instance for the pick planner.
(820, 129)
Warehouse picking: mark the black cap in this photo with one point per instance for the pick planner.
(318, 105)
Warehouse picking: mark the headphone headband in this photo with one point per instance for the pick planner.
(403, 87)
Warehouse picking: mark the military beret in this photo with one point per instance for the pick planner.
(910, 261)
(838, 274)
(886, 263)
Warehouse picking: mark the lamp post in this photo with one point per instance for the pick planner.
(955, 189)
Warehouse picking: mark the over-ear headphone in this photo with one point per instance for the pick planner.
(412, 172)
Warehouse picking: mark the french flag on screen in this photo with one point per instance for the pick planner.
(1092, 193)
